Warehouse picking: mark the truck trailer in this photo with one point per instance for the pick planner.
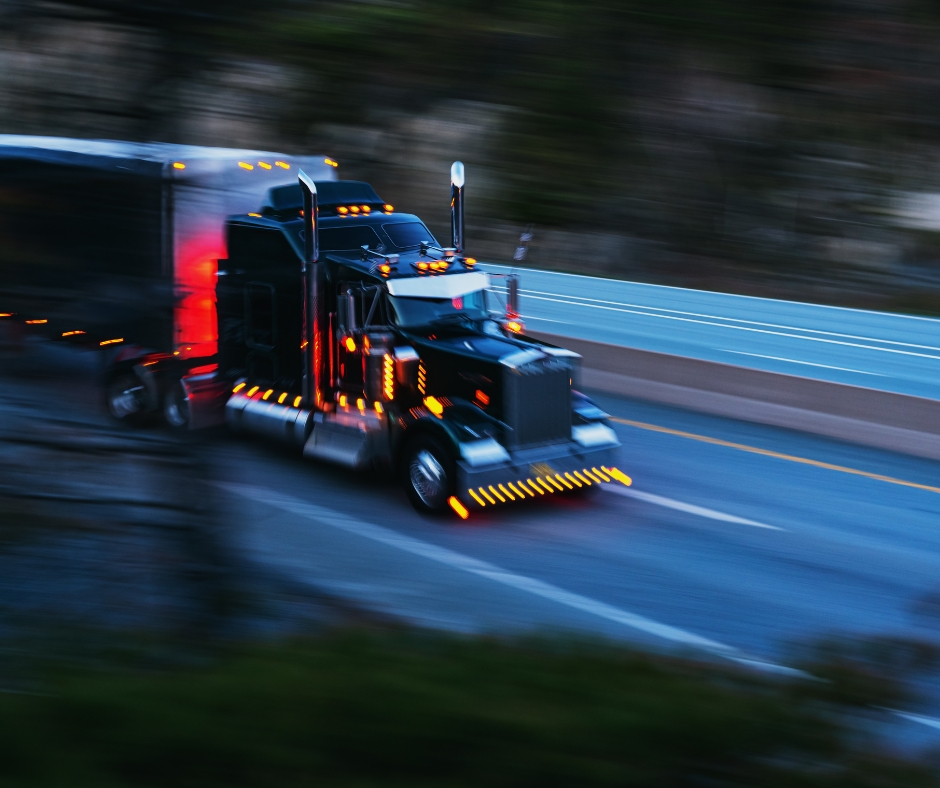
(259, 290)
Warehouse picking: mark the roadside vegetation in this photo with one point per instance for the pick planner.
(357, 708)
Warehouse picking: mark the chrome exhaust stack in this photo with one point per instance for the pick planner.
(314, 322)
(456, 206)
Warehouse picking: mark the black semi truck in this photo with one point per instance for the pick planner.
(336, 324)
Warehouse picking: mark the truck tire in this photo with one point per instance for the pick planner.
(429, 474)
(125, 398)
(176, 406)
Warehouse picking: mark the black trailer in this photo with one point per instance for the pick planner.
(115, 244)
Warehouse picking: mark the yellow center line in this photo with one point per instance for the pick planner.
(775, 454)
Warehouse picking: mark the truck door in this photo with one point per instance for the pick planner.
(261, 331)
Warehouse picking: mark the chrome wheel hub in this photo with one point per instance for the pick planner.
(428, 478)
(125, 403)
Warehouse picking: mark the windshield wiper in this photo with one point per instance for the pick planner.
(453, 317)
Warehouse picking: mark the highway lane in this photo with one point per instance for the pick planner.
(687, 561)
(898, 353)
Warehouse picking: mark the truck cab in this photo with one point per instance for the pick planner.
(347, 328)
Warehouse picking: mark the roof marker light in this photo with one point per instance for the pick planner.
(36, 322)
(365, 209)
(69, 333)
(423, 266)
(245, 165)
(331, 162)
(388, 208)
(111, 342)
(264, 165)
(6, 314)
(252, 391)
(282, 164)
(469, 262)
(256, 215)
(342, 211)
(178, 165)
(238, 388)
(267, 394)
(354, 209)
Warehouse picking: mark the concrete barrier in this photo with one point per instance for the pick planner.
(897, 422)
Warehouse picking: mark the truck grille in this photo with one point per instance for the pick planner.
(538, 402)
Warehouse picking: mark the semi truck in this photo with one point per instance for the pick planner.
(259, 290)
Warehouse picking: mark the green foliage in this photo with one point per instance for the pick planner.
(357, 710)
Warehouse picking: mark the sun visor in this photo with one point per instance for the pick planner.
(447, 286)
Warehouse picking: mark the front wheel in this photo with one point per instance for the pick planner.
(429, 474)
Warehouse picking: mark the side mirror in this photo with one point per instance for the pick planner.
(512, 297)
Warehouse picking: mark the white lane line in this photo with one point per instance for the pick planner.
(805, 363)
(741, 328)
(579, 299)
(443, 555)
(681, 506)
(707, 293)
(930, 722)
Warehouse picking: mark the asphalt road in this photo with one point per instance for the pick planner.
(736, 539)
(898, 353)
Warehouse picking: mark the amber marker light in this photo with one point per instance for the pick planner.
(469, 262)
(280, 400)
(111, 342)
(178, 165)
(343, 400)
(297, 402)
(388, 208)
(267, 394)
(245, 165)
(365, 209)
(458, 507)
(68, 333)
(342, 210)
(264, 165)
(256, 215)
(6, 314)
(620, 476)
(282, 164)
(361, 404)
(238, 388)
(252, 391)
(36, 322)
(350, 344)
(379, 409)
(434, 405)
(385, 269)
(423, 266)
(331, 162)
(354, 209)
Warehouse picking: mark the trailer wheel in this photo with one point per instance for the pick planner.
(125, 398)
(176, 406)
(429, 473)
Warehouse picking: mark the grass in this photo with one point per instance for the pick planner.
(406, 709)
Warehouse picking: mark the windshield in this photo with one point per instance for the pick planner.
(408, 235)
(422, 311)
(352, 237)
